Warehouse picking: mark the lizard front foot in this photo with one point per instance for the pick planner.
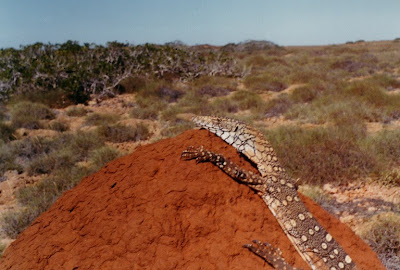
(198, 153)
(271, 255)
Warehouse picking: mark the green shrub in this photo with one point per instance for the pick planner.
(77, 111)
(101, 156)
(97, 119)
(121, 133)
(320, 155)
(28, 115)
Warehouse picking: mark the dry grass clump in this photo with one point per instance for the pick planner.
(103, 155)
(386, 81)
(382, 233)
(265, 82)
(213, 91)
(175, 128)
(58, 125)
(77, 111)
(6, 133)
(147, 108)
(277, 106)
(60, 159)
(28, 115)
(121, 133)
(320, 155)
(386, 145)
(97, 119)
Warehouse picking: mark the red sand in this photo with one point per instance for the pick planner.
(151, 210)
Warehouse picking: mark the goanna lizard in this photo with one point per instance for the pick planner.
(314, 244)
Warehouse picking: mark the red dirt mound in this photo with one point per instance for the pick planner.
(151, 210)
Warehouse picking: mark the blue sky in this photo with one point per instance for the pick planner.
(285, 22)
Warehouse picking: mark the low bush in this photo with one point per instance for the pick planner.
(103, 155)
(277, 106)
(28, 115)
(148, 108)
(382, 233)
(265, 82)
(320, 155)
(246, 100)
(120, 133)
(171, 130)
(385, 145)
(213, 91)
(6, 133)
(132, 84)
(58, 126)
(97, 119)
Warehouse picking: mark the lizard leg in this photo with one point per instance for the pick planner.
(233, 170)
(271, 255)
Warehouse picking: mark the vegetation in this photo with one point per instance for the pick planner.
(28, 115)
(331, 113)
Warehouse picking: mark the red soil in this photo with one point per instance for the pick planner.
(151, 210)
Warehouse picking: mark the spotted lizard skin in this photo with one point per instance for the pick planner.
(314, 244)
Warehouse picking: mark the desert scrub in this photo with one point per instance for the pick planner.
(2, 248)
(390, 178)
(100, 156)
(386, 81)
(176, 127)
(58, 125)
(77, 111)
(6, 133)
(38, 198)
(148, 108)
(264, 82)
(382, 233)
(335, 108)
(121, 133)
(97, 119)
(385, 145)
(246, 100)
(28, 115)
(214, 81)
(212, 91)
(320, 155)
(276, 106)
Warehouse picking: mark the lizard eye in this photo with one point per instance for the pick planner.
(236, 128)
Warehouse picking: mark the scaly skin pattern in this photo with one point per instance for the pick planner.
(315, 245)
